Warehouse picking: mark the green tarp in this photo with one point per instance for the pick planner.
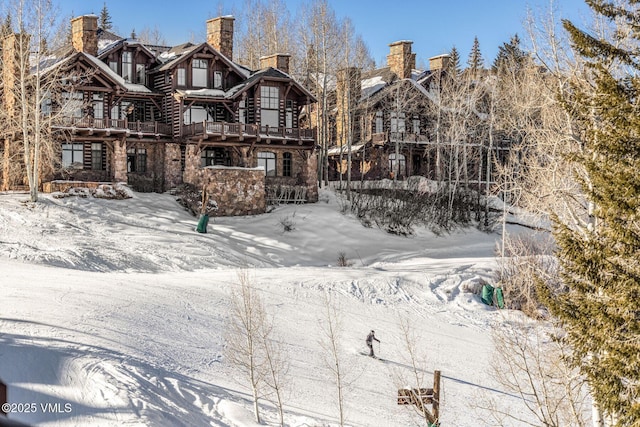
(499, 297)
(487, 294)
(202, 224)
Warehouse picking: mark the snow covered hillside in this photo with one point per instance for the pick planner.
(115, 310)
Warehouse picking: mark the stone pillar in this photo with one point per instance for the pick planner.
(172, 166)
(310, 174)
(120, 160)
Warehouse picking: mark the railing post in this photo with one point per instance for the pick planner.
(138, 126)
(267, 130)
(3, 397)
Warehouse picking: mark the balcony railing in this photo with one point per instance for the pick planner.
(242, 130)
(122, 125)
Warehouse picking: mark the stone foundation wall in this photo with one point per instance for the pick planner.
(237, 191)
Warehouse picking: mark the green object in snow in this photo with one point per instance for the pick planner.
(487, 294)
(499, 297)
(202, 224)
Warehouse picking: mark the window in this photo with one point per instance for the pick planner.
(397, 167)
(127, 66)
(217, 79)
(289, 115)
(72, 104)
(96, 156)
(98, 106)
(416, 125)
(267, 161)
(182, 77)
(196, 115)
(199, 72)
(46, 107)
(141, 74)
(72, 156)
(286, 164)
(379, 122)
(214, 157)
(137, 160)
(121, 111)
(114, 66)
(397, 122)
(242, 111)
(269, 102)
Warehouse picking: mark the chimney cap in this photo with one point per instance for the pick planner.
(444, 55)
(401, 42)
(274, 55)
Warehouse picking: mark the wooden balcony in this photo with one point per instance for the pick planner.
(250, 132)
(99, 127)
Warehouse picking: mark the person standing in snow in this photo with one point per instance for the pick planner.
(370, 338)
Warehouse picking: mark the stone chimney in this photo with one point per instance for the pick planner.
(84, 34)
(400, 59)
(220, 35)
(440, 62)
(348, 93)
(277, 60)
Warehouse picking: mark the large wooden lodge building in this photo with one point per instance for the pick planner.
(156, 117)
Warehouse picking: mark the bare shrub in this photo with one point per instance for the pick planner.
(532, 361)
(343, 261)
(190, 197)
(288, 223)
(527, 259)
(399, 211)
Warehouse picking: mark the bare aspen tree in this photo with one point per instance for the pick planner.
(416, 360)
(276, 366)
(318, 29)
(34, 83)
(332, 352)
(244, 345)
(264, 28)
(253, 348)
(532, 363)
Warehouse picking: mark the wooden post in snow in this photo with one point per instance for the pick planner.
(421, 397)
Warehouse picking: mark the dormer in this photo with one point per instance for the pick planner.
(130, 59)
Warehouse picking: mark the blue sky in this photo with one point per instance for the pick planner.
(435, 26)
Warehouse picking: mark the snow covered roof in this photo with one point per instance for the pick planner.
(344, 149)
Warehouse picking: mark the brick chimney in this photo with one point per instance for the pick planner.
(220, 35)
(348, 93)
(400, 59)
(84, 34)
(440, 62)
(277, 60)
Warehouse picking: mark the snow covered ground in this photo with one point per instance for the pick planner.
(113, 312)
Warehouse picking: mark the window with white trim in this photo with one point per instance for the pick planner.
(217, 79)
(269, 105)
(397, 122)
(379, 127)
(181, 77)
(97, 104)
(199, 72)
(127, 66)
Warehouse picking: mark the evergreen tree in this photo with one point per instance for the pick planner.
(510, 55)
(475, 61)
(599, 304)
(454, 62)
(105, 18)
